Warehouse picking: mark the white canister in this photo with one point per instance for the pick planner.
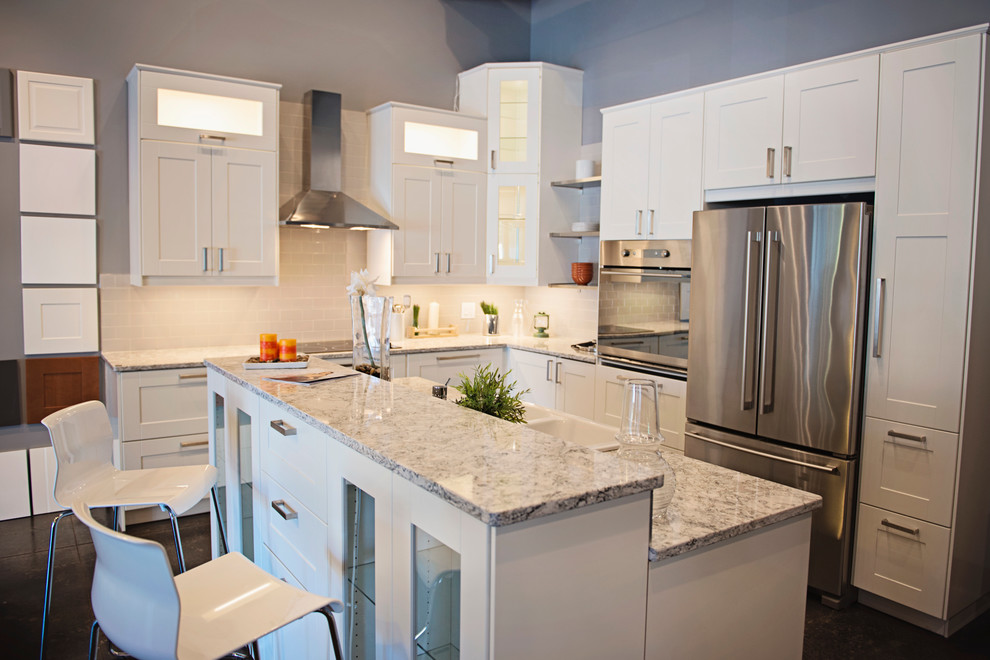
(584, 169)
(433, 317)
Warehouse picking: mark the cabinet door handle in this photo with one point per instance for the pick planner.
(491, 264)
(556, 376)
(878, 306)
(639, 222)
(206, 259)
(549, 367)
(900, 528)
(191, 376)
(443, 161)
(458, 357)
(493, 159)
(437, 271)
(652, 213)
(206, 136)
(770, 168)
(448, 263)
(907, 436)
(787, 161)
(282, 427)
(284, 510)
(221, 260)
(192, 443)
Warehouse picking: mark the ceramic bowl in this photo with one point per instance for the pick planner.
(582, 272)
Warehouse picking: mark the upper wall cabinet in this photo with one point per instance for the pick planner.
(53, 108)
(651, 169)
(203, 154)
(813, 124)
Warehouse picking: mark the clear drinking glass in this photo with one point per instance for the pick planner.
(639, 425)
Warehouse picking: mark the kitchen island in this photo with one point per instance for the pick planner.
(446, 529)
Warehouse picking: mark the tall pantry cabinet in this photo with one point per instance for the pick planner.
(922, 546)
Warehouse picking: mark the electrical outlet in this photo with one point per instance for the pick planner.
(467, 310)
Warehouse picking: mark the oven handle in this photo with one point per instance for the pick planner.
(831, 469)
(648, 273)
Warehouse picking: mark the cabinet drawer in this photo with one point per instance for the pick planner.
(306, 638)
(167, 452)
(295, 454)
(902, 559)
(909, 469)
(160, 404)
(299, 541)
(440, 366)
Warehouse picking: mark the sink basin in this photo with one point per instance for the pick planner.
(571, 427)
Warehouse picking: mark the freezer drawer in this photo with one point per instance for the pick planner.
(832, 478)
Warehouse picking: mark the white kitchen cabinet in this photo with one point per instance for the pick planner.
(58, 250)
(811, 124)
(57, 179)
(533, 112)
(651, 168)
(54, 108)
(60, 321)
(203, 178)
(438, 366)
(610, 383)
(554, 383)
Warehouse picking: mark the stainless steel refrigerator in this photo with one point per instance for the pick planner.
(775, 358)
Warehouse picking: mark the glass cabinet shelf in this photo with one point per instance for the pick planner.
(581, 184)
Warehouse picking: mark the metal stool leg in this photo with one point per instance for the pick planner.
(216, 507)
(334, 639)
(94, 640)
(48, 576)
(175, 534)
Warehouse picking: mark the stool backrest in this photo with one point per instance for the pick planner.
(83, 442)
(134, 595)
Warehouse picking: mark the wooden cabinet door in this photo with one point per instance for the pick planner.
(625, 172)
(245, 213)
(926, 165)
(176, 209)
(830, 121)
(514, 120)
(742, 126)
(416, 208)
(675, 188)
(463, 235)
(575, 385)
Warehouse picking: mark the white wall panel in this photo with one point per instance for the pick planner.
(55, 108)
(58, 250)
(60, 321)
(58, 180)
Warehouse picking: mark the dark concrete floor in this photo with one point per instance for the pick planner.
(856, 632)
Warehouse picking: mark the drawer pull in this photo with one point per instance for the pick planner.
(907, 436)
(194, 443)
(191, 376)
(284, 510)
(457, 357)
(900, 528)
(282, 427)
(207, 136)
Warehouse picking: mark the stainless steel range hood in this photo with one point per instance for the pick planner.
(323, 205)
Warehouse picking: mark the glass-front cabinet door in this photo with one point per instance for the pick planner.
(514, 120)
(513, 229)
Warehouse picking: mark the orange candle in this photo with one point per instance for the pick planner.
(269, 347)
(286, 350)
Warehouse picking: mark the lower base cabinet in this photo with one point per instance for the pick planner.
(553, 382)
(439, 366)
(610, 384)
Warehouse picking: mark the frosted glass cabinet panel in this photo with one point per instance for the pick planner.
(514, 139)
(513, 228)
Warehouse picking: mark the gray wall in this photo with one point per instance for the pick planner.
(371, 51)
(634, 49)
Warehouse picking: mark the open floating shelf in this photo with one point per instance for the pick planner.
(572, 285)
(580, 184)
(574, 234)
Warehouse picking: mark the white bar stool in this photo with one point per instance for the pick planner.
(83, 442)
(207, 612)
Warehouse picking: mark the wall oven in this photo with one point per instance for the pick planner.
(643, 293)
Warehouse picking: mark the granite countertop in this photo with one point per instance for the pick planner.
(712, 504)
(176, 358)
(498, 472)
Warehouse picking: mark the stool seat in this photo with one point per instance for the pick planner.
(179, 488)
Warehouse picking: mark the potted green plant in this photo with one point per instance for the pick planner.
(490, 326)
(487, 391)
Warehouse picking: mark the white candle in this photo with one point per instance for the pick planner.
(434, 316)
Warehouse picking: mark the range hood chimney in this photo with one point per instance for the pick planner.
(323, 205)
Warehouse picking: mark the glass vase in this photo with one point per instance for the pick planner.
(371, 323)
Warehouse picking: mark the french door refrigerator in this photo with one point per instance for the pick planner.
(775, 358)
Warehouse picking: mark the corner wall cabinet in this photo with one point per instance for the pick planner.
(921, 542)
(651, 168)
(203, 154)
(533, 112)
(427, 173)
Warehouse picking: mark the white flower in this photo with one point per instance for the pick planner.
(361, 283)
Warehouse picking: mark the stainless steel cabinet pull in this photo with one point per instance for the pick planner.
(749, 326)
(191, 443)
(221, 260)
(878, 306)
(770, 167)
(458, 357)
(491, 264)
(787, 161)
(831, 469)
(768, 368)
(206, 259)
(282, 427)
(549, 366)
(442, 161)
(900, 528)
(284, 510)
(448, 262)
(652, 213)
(438, 262)
(191, 376)
(556, 376)
(907, 436)
(493, 159)
(625, 343)
(205, 136)
(639, 222)
(646, 273)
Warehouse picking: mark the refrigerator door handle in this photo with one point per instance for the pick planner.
(878, 315)
(750, 311)
(831, 469)
(772, 288)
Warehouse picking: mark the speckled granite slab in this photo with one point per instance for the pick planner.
(713, 504)
(175, 358)
(498, 472)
